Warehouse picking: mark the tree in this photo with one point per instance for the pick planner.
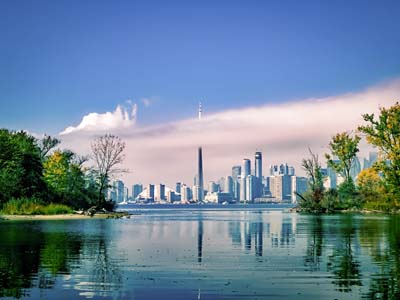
(345, 148)
(20, 166)
(65, 177)
(107, 154)
(312, 199)
(384, 133)
(46, 144)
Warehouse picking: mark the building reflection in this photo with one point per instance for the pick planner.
(200, 231)
(259, 228)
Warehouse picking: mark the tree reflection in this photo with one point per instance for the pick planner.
(25, 250)
(385, 244)
(343, 263)
(314, 244)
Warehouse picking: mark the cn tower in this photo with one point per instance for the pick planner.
(200, 167)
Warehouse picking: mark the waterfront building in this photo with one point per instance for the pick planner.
(197, 194)
(213, 187)
(228, 187)
(250, 184)
(236, 171)
(218, 197)
(159, 192)
(258, 165)
(136, 190)
(150, 192)
(178, 187)
(242, 196)
(246, 169)
(258, 184)
(186, 194)
(280, 186)
(120, 191)
(170, 196)
(299, 186)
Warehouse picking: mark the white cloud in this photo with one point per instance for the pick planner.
(167, 152)
(124, 116)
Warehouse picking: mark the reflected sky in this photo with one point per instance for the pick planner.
(202, 255)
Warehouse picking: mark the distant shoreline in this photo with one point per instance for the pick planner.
(115, 215)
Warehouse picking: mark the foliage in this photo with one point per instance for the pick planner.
(108, 154)
(311, 200)
(32, 175)
(46, 144)
(29, 206)
(20, 166)
(383, 132)
(65, 177)
(345, 148)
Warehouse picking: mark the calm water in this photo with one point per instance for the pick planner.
(173, 254)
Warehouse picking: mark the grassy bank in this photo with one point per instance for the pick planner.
(31, 207)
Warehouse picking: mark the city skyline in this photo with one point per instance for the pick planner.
(273, 77)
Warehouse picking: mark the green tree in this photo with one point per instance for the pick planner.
(65, 177)
(46, 144)
(311, 200)
(345, 148)
(383, 132)
(20, 166)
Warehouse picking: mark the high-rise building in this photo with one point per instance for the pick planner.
(150, 192)
(258, 165)
(170, 196)
(120, 191)
(136, 190)
(186, 194)
(242, 196)
(212, 187)
(280, 187)
(160, 192)
(258, 184)
(250, 180)
(236, 170)
(291, 171)
(299, 186)
(178, 187)
(246, 169)
(228, 187)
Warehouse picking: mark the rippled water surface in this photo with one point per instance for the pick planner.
(203, 254)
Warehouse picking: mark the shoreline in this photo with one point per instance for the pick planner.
(115, 215)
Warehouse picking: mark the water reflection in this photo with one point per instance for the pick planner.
(224, 254)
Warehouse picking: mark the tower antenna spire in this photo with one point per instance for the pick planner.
(200, 110)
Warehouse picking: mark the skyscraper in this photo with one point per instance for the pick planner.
(245, 172)
(258, 165)
(258, 185)
(236, 170)
(200, 168)
(246, 167)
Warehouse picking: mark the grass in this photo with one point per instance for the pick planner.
(27, 206)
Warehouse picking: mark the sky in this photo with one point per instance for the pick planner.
(78, 69)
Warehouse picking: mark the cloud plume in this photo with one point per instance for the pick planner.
(167, 152)
(124, 116)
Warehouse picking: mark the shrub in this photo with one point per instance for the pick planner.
(33, 206)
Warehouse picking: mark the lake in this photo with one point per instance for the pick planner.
(203, 254)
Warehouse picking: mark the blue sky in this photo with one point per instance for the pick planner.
(60, 60)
